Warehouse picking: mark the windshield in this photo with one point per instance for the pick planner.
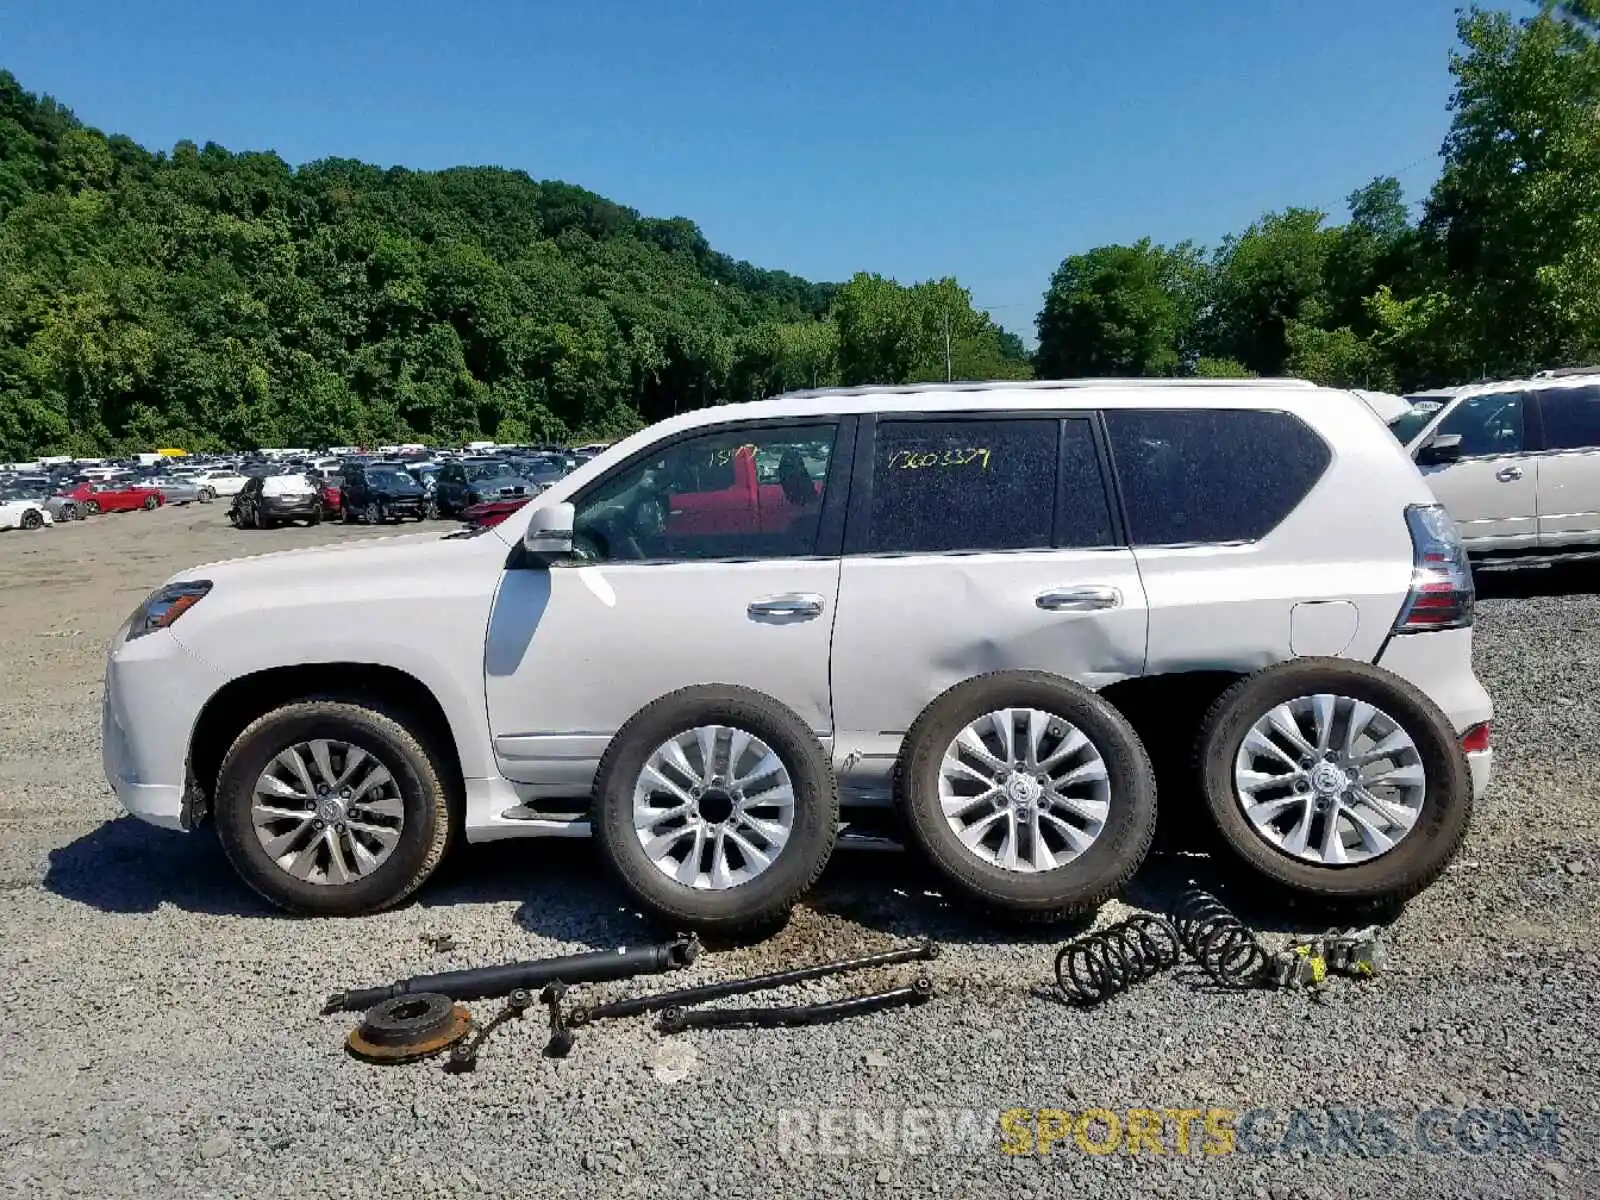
(390, 478)
(1408, 424)
(488, 470)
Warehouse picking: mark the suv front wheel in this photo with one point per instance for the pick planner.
(330, 808)
(1029, 793)
(717, 807)
(1336, 779)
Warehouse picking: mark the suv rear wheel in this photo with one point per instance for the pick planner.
(717, 807)
(1336, 779)
(1028, 793)
(331, 809)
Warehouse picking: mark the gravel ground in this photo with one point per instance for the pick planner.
(159, 1028)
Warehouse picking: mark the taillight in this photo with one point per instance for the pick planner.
(1441, 594)
(1476, 738)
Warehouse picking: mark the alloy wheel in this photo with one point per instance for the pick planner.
(1024, 790)
(713, 807)
(327, 812)
(1330, 780)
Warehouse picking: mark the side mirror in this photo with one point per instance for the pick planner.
(1441, 449)
(548, 537)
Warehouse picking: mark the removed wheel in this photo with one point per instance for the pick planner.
(1336, 779)
(331, 809)
(1028, 793)
(717, 807)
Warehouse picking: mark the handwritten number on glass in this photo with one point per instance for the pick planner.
(914, 460)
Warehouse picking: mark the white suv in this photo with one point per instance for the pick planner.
(1517, 463)
(950, 598)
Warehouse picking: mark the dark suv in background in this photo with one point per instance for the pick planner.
(375, 492)
(471, 481)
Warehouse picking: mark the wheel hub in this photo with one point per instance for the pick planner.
(1328, 780)
(716, 806)
(1023, 791)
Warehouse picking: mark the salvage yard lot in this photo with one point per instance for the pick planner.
(159, 1027)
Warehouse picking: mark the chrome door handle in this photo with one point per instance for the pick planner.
(790, 604)
(1507, 474)
(1083, 599)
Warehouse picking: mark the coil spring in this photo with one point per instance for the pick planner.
(1103, 964)
(1219, 941)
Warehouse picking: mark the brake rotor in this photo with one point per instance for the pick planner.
(408, 1027)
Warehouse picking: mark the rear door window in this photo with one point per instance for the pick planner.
(1198, 476)
(1007, 483)
(1571, 418)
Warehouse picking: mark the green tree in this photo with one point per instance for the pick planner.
(1121, 310)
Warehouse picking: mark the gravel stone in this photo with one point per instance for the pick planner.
(160, 1031)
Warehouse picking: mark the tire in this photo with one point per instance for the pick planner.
(347, 514)
(31, 519)
(374, 513)
(430, 511)
(767, 895)
(150, 503)
(1442, 801)
(1124, 802)
(425, 814)
(315, 518)
(92, 507)
(205, 495)
(233, 518)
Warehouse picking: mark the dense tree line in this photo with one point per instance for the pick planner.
(209, 299)
(1499, 275)
(206, 298)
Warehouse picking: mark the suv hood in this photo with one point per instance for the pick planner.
(347, 564)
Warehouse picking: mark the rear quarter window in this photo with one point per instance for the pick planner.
(1197, 476)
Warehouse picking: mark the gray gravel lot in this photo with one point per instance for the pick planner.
(159, 1028)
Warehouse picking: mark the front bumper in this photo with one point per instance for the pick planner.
(154, 691)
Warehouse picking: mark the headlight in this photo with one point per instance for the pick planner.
(166, 605)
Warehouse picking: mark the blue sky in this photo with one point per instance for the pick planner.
(915, 138)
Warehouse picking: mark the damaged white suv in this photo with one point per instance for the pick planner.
(991, 612)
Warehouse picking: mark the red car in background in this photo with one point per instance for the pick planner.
(331, 493)
(111, 496)
(492, 512)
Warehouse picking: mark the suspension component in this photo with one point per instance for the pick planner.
(479, 982)
(1220, 942)
(406, 1028)
(683, 997)
(675, 1020)
(1104, 964)
(464, 1055)
(560, 1043)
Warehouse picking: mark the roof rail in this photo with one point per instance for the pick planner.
(1563, 372)
(1042, 385)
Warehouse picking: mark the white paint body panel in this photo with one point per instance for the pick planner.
(1495, 501)
(912, 626)
(1569, 496)
(573, 652)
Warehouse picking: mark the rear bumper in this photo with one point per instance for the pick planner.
(1440, 663)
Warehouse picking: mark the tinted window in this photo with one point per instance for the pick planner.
(1571, 418)
(1408, 424)
(1211, 475)
(1487, 425)
(940, 486)
(701, 498)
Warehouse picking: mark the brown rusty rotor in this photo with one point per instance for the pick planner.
(407, 1027)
